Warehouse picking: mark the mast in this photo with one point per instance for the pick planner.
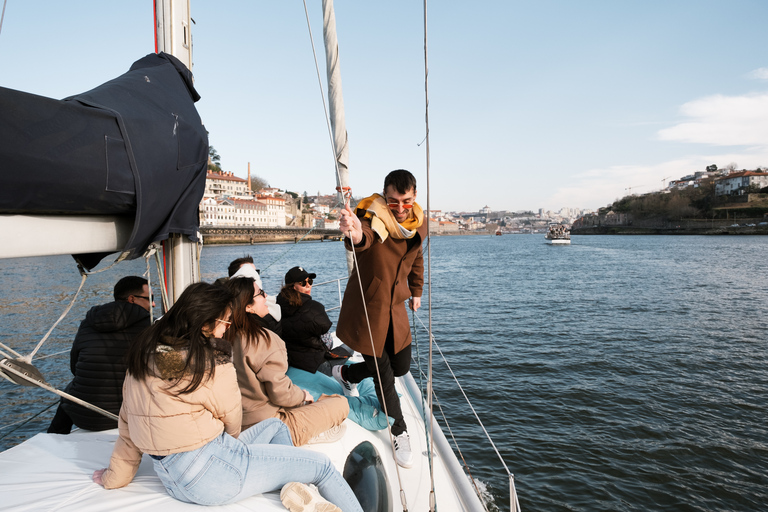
(173, 36)
(336, 108)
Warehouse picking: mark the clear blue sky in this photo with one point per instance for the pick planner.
(533, 105)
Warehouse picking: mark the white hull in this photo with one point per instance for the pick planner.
(559, 241)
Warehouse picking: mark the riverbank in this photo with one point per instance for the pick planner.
(631, 230)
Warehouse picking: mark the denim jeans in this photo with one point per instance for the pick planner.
(263, 459)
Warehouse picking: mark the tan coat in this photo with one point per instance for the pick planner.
(265, 387)
(155, 420)
(390, 274)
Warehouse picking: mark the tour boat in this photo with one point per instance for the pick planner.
(558, 235)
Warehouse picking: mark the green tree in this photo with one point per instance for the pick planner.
(214, 160)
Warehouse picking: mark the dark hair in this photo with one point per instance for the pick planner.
(239, 262)
(291, 294)
(244, 324)
(129, 285)
(401, 180)
(198, 307)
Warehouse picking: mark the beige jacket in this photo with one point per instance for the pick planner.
(155, 420)
(264, 386)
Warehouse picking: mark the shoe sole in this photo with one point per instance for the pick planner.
(296, 498)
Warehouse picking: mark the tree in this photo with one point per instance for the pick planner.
(258, 183)
(712, 168)
(732, 166)
(214, 160)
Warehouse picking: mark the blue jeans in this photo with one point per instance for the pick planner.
(263, 459)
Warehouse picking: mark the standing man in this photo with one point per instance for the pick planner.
(386, 232)
(97, 359)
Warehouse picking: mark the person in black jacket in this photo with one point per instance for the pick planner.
(304, 323)
(97, 358)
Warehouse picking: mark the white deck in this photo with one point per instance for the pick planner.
(53, 472)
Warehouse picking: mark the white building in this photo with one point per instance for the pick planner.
(234, 212)
(225, 184)
(738, 183)
(275, 210)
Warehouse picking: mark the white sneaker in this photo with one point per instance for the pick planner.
(330, 435)
(403, 453)
(299, 497)
(350, 389)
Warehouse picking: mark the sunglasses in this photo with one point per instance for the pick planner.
(395, 206)
(307, 282)
(150, 298)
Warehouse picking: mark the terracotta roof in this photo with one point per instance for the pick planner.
(744, 173)
(227, 176)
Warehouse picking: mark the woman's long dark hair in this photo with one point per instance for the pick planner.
(244, 325)
(292, 295)
(198, 307)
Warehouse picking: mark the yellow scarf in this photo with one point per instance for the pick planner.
(384, 223)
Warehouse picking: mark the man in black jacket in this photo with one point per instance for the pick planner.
(97, 358)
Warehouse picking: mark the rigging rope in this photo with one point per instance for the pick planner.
(432, 504)
(511, 477)
(346, 195)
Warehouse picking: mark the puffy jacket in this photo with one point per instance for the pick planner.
(97, 360)
(264, 386)
(156, 420)
(302, 327)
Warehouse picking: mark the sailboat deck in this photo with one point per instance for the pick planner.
(53, 472)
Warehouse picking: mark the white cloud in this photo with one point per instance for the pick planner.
(723, 121)
(758, 74)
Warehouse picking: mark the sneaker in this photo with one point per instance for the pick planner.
(403, 453)
(299, 497)
(330, 435)
(350, 389)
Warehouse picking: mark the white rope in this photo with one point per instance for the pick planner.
(432, 504)
(467, 400)
(47, 387)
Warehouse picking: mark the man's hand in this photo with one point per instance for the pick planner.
(308, 399)
(349, 224)
(414, 303)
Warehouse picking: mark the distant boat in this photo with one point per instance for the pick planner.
(558, 235)
(498, 232)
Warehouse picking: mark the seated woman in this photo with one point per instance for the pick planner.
(181, 405)
(261, 362)
(305, 323)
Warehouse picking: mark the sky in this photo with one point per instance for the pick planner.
(544, 104)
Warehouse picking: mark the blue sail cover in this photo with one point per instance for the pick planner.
(133, 146)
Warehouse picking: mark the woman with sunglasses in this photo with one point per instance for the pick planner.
(261, 361)
(305, 324)
(181, 406)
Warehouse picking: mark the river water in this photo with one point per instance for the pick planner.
(620, 373)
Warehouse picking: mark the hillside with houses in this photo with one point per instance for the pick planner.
(711, 201)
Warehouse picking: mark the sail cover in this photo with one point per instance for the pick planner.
(133, 146)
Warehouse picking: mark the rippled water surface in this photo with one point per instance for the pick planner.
(615, 374)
